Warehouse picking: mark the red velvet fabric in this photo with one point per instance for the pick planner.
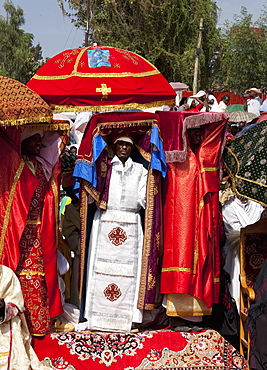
(191, 259)
(68, 79)
(17, 186)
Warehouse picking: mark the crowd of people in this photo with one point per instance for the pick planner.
(200, 236)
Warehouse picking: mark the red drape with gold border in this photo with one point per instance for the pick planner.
(191, 260)
(17, 186)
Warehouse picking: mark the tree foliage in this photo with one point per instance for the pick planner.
(240, 62)
(165, 32)
(19, 59)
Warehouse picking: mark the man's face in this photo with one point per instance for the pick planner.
(253, 94)
(123, 150)
(226, 100)
(194, 136)
(74, 151)
(33, 145)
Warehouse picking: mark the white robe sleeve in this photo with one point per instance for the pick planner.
(142, 188)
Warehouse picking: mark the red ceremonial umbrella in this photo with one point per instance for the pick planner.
(101, 78)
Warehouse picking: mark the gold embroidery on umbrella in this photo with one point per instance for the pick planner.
(112, 292)
(117, 236)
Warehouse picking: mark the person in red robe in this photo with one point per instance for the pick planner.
(28, 224)
(190, 276)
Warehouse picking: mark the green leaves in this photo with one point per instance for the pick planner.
(19, 59)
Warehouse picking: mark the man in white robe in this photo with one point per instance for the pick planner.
(237, 214)
(16, 352)
(115, 248)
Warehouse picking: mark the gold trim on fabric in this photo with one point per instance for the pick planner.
(148, 122)
(9, 205)
(114, 107)
(47, 127)
(4, 354)
(209, 169)
(190, 313)
(216, 280)
(33, 222)
(31, 273)
(184, 269)
(147, 237)
(252, 181)
(144, 154)
(88, 187)
(95, 75)
(25, 121)
(149, 307)
(196, 252)
(83, 217)
(56, 204)
(151, 280)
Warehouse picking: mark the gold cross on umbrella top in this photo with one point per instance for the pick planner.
(104, 89)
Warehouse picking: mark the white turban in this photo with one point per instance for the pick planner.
(123, 138)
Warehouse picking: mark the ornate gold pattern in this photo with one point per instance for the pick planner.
(149, 307)
(158, 236)
(47, 126)
(125, 124)
(103, 108)
(147, 237)
(144, 154)
(83, 216)
(21, 105)
(31, 273)
(9, 205)
(151, 280)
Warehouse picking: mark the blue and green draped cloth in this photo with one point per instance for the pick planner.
(246, 161)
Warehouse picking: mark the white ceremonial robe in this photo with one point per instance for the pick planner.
(115, 252)
(236, 215)
(16, 352)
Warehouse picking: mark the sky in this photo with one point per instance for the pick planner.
(55, 33)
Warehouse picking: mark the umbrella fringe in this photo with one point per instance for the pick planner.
(104, 108)
(53, 126)
(24, 121)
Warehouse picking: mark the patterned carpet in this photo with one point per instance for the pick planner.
(161, 349)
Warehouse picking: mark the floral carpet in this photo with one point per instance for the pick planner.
(161, 349)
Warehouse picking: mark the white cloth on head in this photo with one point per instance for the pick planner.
(214, 107)
(222, 107)
(124, 138)
(198, 94)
